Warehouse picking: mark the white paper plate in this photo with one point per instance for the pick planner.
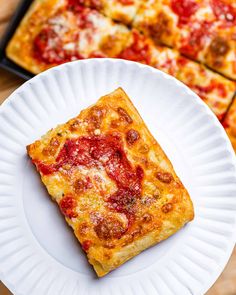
(38, 252)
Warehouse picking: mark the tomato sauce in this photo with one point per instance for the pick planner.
(126, 2)
(75, 5)
(86, 245)
(67, 206)
(138, 51)
(195, 40)
(48, 48)
(202, 91)
(184, 9)
(103, 151)
(224, 11)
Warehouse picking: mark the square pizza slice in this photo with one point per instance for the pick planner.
(202, 30)
(112, 181)
(216, 90)
(118, 10)
(229, 124)
(55, 31)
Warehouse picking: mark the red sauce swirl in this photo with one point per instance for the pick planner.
(184, 9)
(103, 151)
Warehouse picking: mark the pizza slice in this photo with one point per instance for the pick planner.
(112, 181)
(214, 89)
(202, 30)
(118, 10)
(54, 32)
(229, 124)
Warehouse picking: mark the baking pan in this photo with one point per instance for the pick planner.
(5, 62)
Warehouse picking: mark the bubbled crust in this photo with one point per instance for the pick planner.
(52, 22)
(111, 237)
(19, 48)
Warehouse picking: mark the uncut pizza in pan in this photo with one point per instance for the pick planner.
(112, 181)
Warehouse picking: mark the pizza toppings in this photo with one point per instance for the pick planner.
(68, 205)
(147, 217)
(124, 116)
(86, 245)
(106, 151)
(102, 189)
(51, 149)
(49, 48)
(224, 11)
(109, 228)
(75, 5)
(80, 185)
(139, 50)
(167, 208)
(184, 9)
(164, 177)
(96, 115)
(194, 42)
(126, 2)
(132, 136)
(214, 85)
(219, 47)
(159, 27)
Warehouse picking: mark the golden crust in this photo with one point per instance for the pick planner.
(20, 48)
(59, 31)
(112, 229)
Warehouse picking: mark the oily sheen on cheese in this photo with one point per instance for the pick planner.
(112, 181)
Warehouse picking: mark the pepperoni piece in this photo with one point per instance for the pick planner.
(165, 177)
(67, 206)
(132, 136)
(109, 228)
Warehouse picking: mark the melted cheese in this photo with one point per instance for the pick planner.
(113, 217)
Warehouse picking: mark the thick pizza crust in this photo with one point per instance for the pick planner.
(20, 48)
(107, 254)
